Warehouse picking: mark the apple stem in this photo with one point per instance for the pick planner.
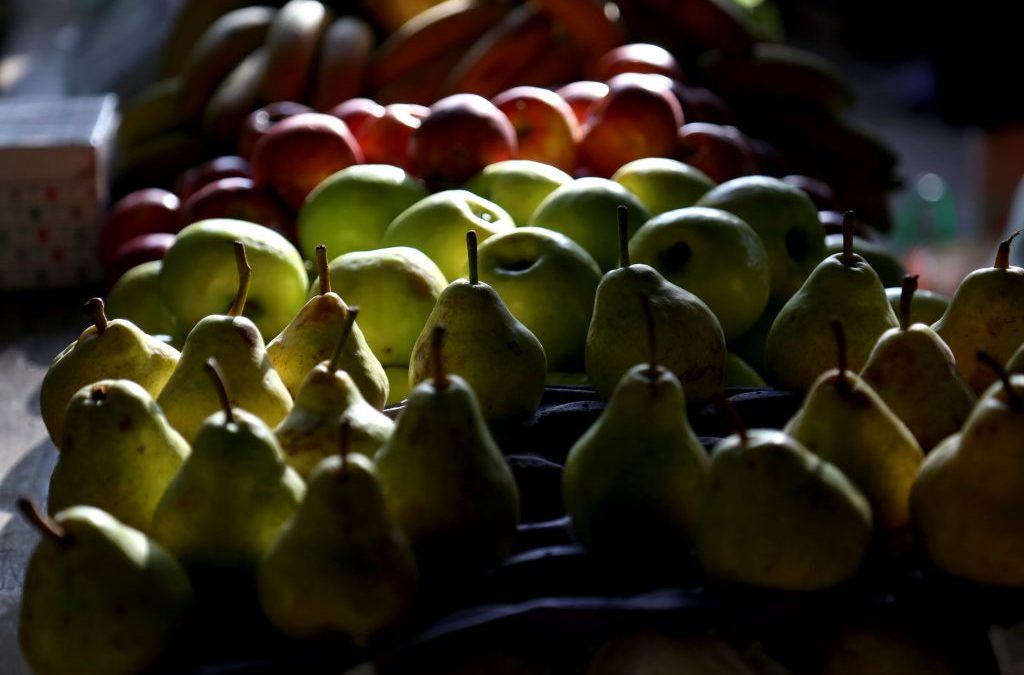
(849, 223)
(436, 342)
(471, 249)
(622, 219)
(42, 522)
(321, 266)
(216, 375)
(733, 416)
(843, 383)
(1012, 398)
(343, 443)
(97, 311)
(906, 297)
(652, 344)
(244, 279)
(346, 331)
(1002, 261)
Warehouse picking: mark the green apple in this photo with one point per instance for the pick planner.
(663, 184)
(714, 255)
(886, 264)
(350, 210)
(786, 220)
(926, 307)
(199, 275)
(548, 282)
(585, 211)
(437, 225)
(136, 297)
(396, 289)
(738, 373)
(518, 185)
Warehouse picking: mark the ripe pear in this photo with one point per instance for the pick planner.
(120, 452)
(634, 481)
(778, 516)
(99, 596)
(800, 346)
(690, 341)
(969, 494)
(232, 495)
(327, 399)
(914, 372)
(444, 479)
(235, 342)
(312, 335)
(115, 349)
(341, 565)
(847, 424)
(986, 311)
(500, 359)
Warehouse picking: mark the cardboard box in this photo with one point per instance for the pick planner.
(54, 157)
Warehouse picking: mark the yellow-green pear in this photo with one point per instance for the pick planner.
(739, 373)
(847, 424)
(986, 312)
(398, 383)
(234, 341)
(312, 335)
(105, 350)
(328, 399)
(119, 453)
(914, 372)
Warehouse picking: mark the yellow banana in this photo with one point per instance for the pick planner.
(291, 48)
(341, 66)
(236, 97)
(391, 15)
(194, 17)
(153, 111)
(591, 31)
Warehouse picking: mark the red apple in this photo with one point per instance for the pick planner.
(637, 57)
(718, 150)
(228, 166)
(355, 112)
(819, 191)
(640, 117)
(238, 198)
(258, 123)
(298, 153)
(385, 139)
(140, 212)
(546, 127)
(135, 251)
(702, 105)
(582, 95)
(460, 135)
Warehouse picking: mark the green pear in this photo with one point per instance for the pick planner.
(501, 360)
(187, 399)
(120, 452)
(99, 596)
(886, 264)
(634, 481)
(328, 399)
(689, 338)
(115, 349)
(310, 339)
(444, 479)
(778, 516)
(738, 373)
(986, 311)
(800, 345)
(914, 372)
(968, 496)
(341, 565)
(232, 495)
(398, 383)
(927, 307)
(847, 424)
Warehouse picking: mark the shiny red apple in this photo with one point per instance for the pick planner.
(385, 139)
(355, 112)
(227, 166)
(135, 251)
(546, 127)
(637, 57)
(581, 96)
(720, 151)
(258, 123)
(137, 213)
(238, 198)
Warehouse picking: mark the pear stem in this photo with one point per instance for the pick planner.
(436, 342)
(652, 365)
(98, 313)
(1002, 261)
(906, 297)
(321, 267)
(216, 375)
(471, 250)
(849, 223)
(343, 442)
(42, 522)
(843, 383)
(350, 321)
(244, 279)
(622, 218)
(733, 416)
(1012, 398)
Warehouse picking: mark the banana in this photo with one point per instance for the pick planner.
(341, 65)
(194, 17)
(391, 15)
(448, 25)
(495, 61)
(236, 97)
(591, 31)
(223, 46)
(291, 47)
(423, 84)
(691, 26)
(151, 112)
